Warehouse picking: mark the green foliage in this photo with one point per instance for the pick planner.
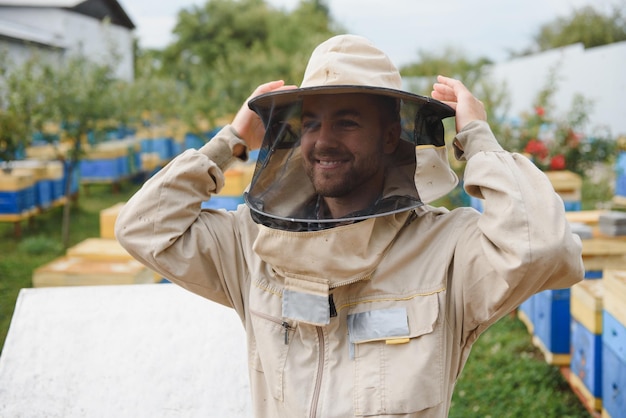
(224, 49)
(586, 25)
(450, 62)
(24, 107)
(556, 142)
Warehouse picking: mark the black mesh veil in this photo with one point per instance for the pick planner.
(281, 196)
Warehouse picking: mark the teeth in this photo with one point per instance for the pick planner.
(329, 163)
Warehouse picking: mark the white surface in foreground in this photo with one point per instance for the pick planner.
(123, 351)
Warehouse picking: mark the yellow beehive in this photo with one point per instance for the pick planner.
(38, 169)
(566, 183)
(107, 150)
(601, 254)
(54, 170)
(99, 249)
(150, 160)
(49, 151)
(237, 179)
(615, 294)
(108, 217)
(14, 182)
(77, 271)
(586, 304)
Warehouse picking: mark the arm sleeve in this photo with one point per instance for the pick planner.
(164, 227)
(520, 245)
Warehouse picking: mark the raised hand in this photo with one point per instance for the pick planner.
(454, 93)
(247, 123)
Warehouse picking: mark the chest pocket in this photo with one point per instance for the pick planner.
(271, 343)
(398, 357)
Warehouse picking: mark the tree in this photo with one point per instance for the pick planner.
(82, 100)
(224, 49)
(586, 25)
(23, 108)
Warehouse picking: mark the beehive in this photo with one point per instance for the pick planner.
(614, 344)
(99, 249)
(77, 271)
(551, 319)
(237, 179)
(601, 254)
(17, 193)
(586, 303)
(568, 185)
(108, 217)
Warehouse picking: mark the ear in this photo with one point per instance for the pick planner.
(391, 137)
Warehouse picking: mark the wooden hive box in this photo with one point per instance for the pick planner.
(99, 249)
(76, 271)
(17, 193)
(237, 179)
(108, 216)
(602, 254)
(551, 320)
(615, 293)
(568, 185)
(614, 343)
(586, 303)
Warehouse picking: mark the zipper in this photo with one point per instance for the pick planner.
(280, 322)
(320, 372)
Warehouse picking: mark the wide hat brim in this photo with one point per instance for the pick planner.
(265, 103)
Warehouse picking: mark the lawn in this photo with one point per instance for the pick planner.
(505, 376)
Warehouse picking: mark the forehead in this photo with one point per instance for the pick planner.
(340, 103)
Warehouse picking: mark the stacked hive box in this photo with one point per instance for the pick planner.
(95, 261)
(43, 182)
(586, 341)
(620, 180)
(110, 161)
(549, 311)
(108, 217)
(551, 320)
(236, 180)
(568, 185)
(614, 345)
(17, 195)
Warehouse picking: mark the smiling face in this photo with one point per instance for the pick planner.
(345, 138)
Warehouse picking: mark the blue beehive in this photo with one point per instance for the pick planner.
(551, 321)
(586, 303)
(620, 174)
(614, 367)
(17, 193)
(223, 202)
(525, 313)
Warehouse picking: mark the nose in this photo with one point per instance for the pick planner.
(327, 137)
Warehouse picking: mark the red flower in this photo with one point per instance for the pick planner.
(537, 148)
(557, 162)
(540, 111)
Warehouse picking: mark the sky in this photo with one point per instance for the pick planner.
(402, 28)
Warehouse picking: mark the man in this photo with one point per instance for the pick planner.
(358, 298)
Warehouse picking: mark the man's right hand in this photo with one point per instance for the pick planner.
(247, 123)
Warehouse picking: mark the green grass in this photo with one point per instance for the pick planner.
(505, 375)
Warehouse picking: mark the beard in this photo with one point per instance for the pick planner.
(349, 176)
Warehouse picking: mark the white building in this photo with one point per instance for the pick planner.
(58, 28)
(598, 74)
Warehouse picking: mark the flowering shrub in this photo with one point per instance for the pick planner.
(559, 144)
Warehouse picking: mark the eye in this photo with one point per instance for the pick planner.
(309, 125)
(347, 124)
